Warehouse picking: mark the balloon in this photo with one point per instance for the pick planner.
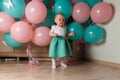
(21, 32)
(81, 0)
(91, 3)
(55, 0)
(35, 11)
(60, 0)
(14, 8)
(6, 22)
(10, 41)
(64, 7)
(93, 34)
(38, 0)
(46, 2)
(81, 12)
(17, 19)
(101, 12)
(77, 29)
(41, 36)
(1, 5)
(49, 20)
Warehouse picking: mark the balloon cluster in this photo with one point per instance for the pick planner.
(18, 22)
(90, 13)
(23, 23)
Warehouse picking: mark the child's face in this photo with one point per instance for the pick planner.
(59, 20)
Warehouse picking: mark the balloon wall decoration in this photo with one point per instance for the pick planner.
(14, 8)
(81, 12)
(10, 41)
(101, 12)
(23, 23)
(77, 29)
(21, 32)
(46, 2)
(35, 11)
(49, 20)
(64, 7)
(93, 34)
(41, 36)
(6, 22)
(1, 5)
(81, 0)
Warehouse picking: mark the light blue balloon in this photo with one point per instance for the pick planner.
(81, 0)
(46, 2)
(17, 19)
(77, 29)
(55, 0)
(1, 5)
(64, 7)
(10, 41)
(93, 34)
(15, 8)
(49, 20)
(60, 0)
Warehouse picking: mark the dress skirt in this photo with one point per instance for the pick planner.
(59, 48)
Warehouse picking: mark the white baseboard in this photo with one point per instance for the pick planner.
(110, 64)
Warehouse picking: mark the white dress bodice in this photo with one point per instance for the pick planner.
(61, 31)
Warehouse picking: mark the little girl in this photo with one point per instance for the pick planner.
(59, 46)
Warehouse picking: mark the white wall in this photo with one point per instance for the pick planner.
(110, 50)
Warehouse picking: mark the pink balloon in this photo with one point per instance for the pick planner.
(35, 11)
(41, 36)
(101, 12)
(6, 22)
(81, 12)
(21, 32)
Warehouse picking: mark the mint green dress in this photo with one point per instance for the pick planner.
(59, 46)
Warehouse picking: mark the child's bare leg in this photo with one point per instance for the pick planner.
(53, 63)
(62, 62)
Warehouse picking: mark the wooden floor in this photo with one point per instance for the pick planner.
(13, 70)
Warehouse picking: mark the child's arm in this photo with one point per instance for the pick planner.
(70, 34)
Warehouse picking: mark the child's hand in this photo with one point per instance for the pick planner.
(55, 34)
(71, 34)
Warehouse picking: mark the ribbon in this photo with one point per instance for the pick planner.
(5, 43)
(32, 61)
